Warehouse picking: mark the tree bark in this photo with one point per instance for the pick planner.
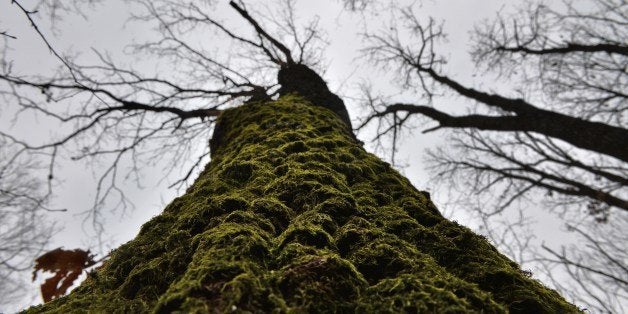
(293, 215)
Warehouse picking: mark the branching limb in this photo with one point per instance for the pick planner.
(245, 14)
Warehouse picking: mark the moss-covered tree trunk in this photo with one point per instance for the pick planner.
(293, 215)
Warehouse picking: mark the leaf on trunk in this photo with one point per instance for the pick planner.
(66, 265)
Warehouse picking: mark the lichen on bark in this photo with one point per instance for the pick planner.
(293, 215)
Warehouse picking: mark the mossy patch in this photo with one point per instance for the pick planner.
(320, 283)
(293, 215)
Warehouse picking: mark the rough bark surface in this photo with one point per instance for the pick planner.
(300, 79)
(293, 215)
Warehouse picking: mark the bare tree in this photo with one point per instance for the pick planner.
(356, 5)
(113, 114)
(24, 199)
(591, 270)
(119, 110)
(24, 232)
(595, 268)
(559, 137)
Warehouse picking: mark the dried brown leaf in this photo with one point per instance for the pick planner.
(66, 265)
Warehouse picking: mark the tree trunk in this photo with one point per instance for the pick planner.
(293, 215)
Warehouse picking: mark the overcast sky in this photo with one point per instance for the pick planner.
(105, 28)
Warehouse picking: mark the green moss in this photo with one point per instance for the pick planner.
(413, 293)
(320, 283)
(293, 215)
(249, 218)
(276, 212)
(294, 147)
(239, 172)
(307, 234)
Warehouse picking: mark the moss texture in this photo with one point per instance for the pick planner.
(293, 215)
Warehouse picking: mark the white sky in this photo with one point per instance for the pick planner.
(104, 29)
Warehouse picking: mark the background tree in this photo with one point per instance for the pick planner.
(558, 137)
(290, 214)
(137, 98)
(23, 233)
(109, 114)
